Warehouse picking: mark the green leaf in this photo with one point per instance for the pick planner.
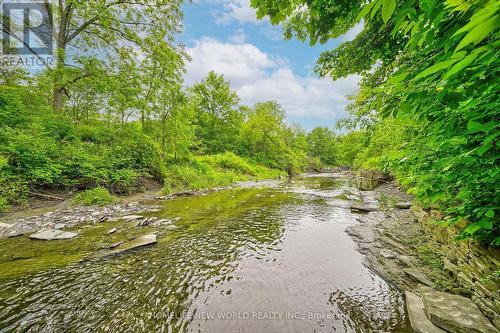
(376, 7)
(475, 227)
(474, 126)
(388, 7)
(437, 67)
(461, 65)
(490, 213)
(458, 140)
(479, 32)
(483, 149)
(364, 11)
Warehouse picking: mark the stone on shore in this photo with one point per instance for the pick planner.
(416, 313)
(361, 234)
(454, 313)
(53, 235)
(5, 225)
(363, 209)
(15, 233)
(111, 231)
(403, 205)
(388, 254)
(418, 276)
(129, 218)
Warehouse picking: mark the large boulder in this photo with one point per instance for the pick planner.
(416, 313)
(454, 313)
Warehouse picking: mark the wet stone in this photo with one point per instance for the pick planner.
(129, 218)
(135, 243)
(454, 313)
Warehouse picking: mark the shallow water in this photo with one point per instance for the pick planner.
(243, 260)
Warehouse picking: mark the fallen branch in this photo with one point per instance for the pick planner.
(46, 196)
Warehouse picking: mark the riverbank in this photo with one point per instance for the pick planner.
(407, 248)
(67, 215)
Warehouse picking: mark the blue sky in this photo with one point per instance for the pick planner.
(225, 36)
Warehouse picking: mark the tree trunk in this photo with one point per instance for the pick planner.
(58, 89)
(58, 92)
(163, 134)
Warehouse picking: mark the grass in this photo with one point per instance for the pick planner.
(211, 171)
(97, 196)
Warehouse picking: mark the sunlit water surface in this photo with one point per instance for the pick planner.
(243, 260)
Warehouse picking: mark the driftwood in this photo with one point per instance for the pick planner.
(362, 209)
(47, 196)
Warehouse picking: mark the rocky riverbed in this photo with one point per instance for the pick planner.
(399, 242)
(407, 248)
(66, 215)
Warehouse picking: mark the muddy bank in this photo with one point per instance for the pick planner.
(407, 248)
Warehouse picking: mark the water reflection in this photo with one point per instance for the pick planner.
(247, 251)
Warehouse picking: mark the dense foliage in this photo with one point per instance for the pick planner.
(429, 94)
(42, 150)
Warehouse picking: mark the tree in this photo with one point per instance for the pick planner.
(218, 117)
(264, 135)
(110, 29)
(436, 63)
(323, 145)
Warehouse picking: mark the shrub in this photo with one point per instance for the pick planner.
(315, 164)
(98, 196)
(213, 171)
(229, 160)
(4, 205)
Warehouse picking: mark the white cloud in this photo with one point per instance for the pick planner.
(353, 32)
(257, 76)
(239, 37)
(236, 10)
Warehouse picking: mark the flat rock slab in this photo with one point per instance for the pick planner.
(53, 235)
(129, 218)
(388, 254)
(454, 313)
(362, 209)
(361, 233)
(135, 243)
(416, 313)
(418, 276)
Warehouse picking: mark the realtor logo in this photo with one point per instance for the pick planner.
(27, 27)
